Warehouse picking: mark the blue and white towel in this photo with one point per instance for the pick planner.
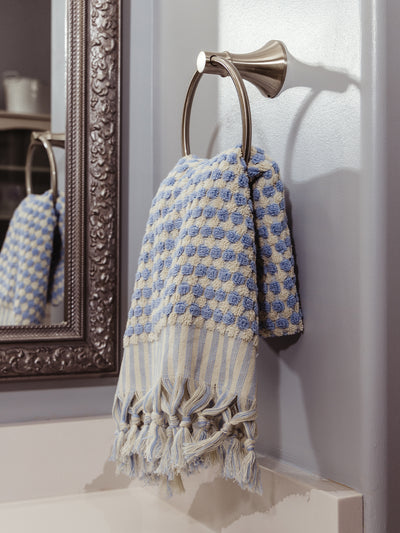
(216, 269)
(32, 260)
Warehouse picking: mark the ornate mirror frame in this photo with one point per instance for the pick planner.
(87, 342)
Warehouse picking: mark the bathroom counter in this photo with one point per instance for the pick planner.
(82, 494)
(117, 511)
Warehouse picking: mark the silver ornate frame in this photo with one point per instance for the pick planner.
(87, 343)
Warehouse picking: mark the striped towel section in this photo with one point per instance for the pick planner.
(216, 270)
(32, 260)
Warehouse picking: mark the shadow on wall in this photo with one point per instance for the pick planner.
(322, 209)
(318, 78)
(315, 353)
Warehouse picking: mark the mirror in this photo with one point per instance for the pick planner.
(81, 337)
(31, 265)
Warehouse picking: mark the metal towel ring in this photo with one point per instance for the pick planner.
(243, 100)
(47, 139)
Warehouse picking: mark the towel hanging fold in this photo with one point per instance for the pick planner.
(216, 270)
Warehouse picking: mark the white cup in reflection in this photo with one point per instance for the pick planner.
(25, 95)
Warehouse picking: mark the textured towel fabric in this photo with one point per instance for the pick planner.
(32, 260)
(215, 270)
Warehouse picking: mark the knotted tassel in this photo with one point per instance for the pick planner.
(156, 438)
(250, 473)
(220, 406)
(202, 427)
(182, 437)
(232, 465)
(127, 448)
(165, 467)
(198, 399)
(197, 449)
(140, 444)
(119, 440)
(169, 404)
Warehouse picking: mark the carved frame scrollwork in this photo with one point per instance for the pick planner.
(87, 343)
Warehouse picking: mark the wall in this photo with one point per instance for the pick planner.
(392, 136)
(322, 399)
(310, 398)
(182, 29)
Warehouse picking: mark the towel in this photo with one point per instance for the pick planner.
(216, 270)
(32, 260)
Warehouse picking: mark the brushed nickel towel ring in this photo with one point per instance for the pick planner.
(265, 68)
(232, 71)
(48, 140)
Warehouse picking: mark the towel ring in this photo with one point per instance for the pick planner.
(48, 140)
(243, 100)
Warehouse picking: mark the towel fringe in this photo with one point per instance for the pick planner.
(120, 415)
(178, 429)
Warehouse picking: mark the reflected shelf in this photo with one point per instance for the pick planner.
(10, 121)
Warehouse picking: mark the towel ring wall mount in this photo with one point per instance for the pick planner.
(265, 68)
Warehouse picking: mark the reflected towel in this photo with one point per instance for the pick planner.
(216, 269)
(32, 260)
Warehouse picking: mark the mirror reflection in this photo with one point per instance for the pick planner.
(32, 201)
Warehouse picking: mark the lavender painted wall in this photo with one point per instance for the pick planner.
(310, 404)
(323, 400)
